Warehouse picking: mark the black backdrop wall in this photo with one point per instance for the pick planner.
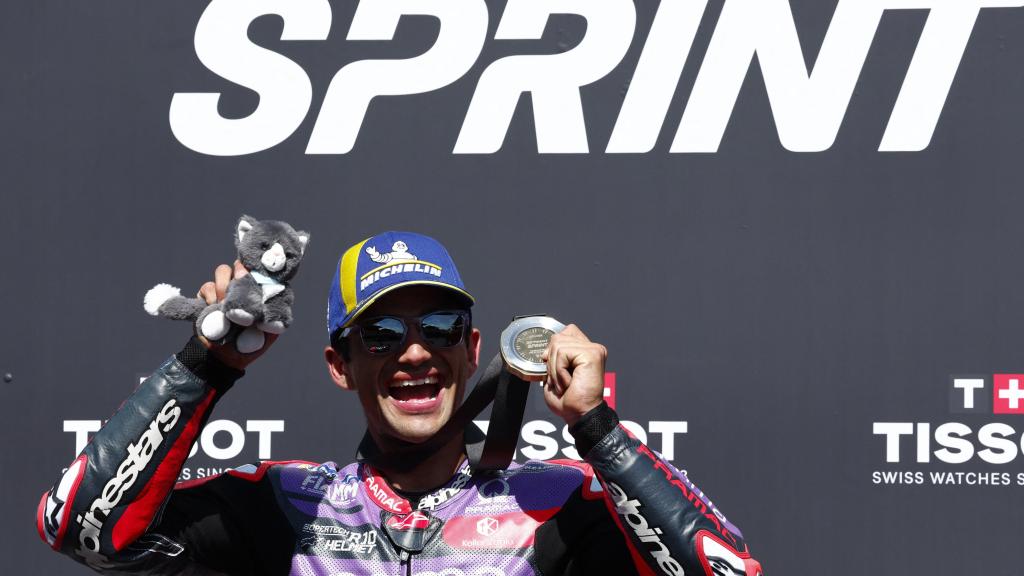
(796, 313)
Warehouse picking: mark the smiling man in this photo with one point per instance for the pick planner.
(401, 333)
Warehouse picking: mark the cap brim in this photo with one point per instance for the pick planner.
(369, 301)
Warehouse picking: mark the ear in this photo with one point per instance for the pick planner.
(338, 369)
(474, 351)
(303, 239)
(245, 223)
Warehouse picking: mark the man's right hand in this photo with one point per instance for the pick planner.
(214, 292)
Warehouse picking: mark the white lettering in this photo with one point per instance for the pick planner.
(936, 60)
(570, 449)
(957, 450)
(553, 80)
(996, 442)
(809, 107)
(668, 430)
(264, 428)
(539, 445)
(969, 385)
(223, 46)
(892, 432)
(808, 103)
(234, 431)
(657, 76)
(459, 42)
(81, 428)
(924, 447)
(629, 510)
(1000, 449)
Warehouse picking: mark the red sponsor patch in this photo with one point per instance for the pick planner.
(381, 493)
(510, 530)
(1008, 393)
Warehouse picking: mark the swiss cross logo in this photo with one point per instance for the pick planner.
(1008, 393)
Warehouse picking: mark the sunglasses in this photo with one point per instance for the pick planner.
(385, 334)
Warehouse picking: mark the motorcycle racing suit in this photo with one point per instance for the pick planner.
(118, 508)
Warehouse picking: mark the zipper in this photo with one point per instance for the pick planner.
(405, 560)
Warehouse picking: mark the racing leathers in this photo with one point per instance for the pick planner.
(118, 508)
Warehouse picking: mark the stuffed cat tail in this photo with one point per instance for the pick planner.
(166, 301)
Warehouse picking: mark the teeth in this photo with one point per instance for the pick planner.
(417, 382)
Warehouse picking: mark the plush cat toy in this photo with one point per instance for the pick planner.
(261, 301)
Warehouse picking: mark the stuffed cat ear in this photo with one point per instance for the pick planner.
(303, 239)
(245, 223)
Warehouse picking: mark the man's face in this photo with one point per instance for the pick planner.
(409, 393)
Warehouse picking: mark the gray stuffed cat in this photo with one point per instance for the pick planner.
(260, 301)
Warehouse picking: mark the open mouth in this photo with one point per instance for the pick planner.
(415, 391)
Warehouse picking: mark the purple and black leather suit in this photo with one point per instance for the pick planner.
(118, 508)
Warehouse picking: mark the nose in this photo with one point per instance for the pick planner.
(274, 258)
(416, 352)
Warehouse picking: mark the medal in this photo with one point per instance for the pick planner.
(523, 343)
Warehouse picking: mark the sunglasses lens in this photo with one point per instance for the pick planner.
(443, 329)
(382, 335)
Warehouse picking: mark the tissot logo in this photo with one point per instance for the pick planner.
(220, 440)
(540, 438)
(975, 441)
(808, 104)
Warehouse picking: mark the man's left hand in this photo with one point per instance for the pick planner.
(575, 382)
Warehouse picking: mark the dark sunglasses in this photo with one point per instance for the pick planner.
(385, 334)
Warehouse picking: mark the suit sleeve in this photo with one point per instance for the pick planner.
(669, 524)
(102, 510)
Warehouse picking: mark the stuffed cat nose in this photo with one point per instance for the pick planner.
(274, 258)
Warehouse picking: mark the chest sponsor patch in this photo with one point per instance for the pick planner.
(500, 531)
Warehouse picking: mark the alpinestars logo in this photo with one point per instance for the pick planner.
(995, 444)
(629, 510)
(446, 493)
(414, 520)
(139, 455)
(808, 104)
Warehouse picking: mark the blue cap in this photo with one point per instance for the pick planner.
(382, 263)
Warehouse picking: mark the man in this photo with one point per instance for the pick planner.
(401, 339)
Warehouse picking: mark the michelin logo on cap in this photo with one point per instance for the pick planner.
(381, 263)
(398, 261)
